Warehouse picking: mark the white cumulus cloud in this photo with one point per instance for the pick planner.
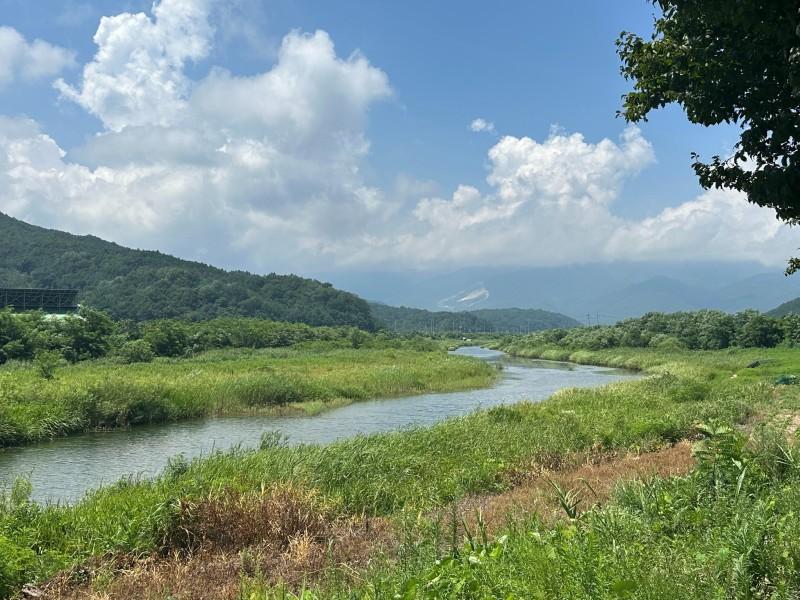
(548, 204)
(717, 224)
(551, 203)
(29, 61)
(310, 98)
(137, 76)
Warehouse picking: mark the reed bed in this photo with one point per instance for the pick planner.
(106, 395)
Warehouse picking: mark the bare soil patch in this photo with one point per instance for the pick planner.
(593, 479)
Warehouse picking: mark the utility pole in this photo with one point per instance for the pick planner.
(588, 319)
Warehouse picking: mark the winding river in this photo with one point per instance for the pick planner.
(64, 469)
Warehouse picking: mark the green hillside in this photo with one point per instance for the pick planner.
(790, 307)
(143, 285)
(406, 319)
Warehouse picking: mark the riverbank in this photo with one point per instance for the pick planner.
(710, 363)
(395, 480)
(104, 395)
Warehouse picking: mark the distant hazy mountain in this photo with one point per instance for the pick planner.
(660, 293)
(401, 318)
(761, 291)
(585, 292)
(138, 284)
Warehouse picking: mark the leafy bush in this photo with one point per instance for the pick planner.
(16, 561)
(358, 338)
(15, 564)
(46, 363)
(662, 341)
(760, 331)
(167, 338)
(136, 351)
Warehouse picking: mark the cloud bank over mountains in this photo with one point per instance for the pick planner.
(266, 171)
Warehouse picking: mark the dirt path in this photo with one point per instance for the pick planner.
(593, 481)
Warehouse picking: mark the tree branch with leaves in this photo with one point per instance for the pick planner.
(728, 61)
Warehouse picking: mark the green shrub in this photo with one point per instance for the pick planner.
(15, 564)
(136, 351)
(662, 341)
(167, 338)
(358, 338)
(46, 363)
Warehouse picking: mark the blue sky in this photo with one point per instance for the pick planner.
(369, 161)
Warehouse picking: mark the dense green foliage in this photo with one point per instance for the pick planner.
(409, 472)
(92, 334)
(75, 338)
(701, 330)
(733, 63)
(404, 319)
(143, 285)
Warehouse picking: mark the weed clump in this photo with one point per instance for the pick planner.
(35, 405)
(46, 363)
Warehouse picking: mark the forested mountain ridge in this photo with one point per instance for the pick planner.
(405, 319)
(790, 307)
(143, 284)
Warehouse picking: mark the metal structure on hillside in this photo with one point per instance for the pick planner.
(49, 301)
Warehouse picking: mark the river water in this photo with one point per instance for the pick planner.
(64, 469)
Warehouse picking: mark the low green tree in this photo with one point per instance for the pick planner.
(358, 338)
(136, 351)
(47, 362)
(760, 331)
(85, 335)
(167, 337)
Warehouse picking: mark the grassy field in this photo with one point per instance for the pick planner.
(726, 529)
(363, 518)
(102, 394)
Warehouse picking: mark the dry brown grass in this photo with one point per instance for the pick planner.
(284, 533)
(233, 519)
